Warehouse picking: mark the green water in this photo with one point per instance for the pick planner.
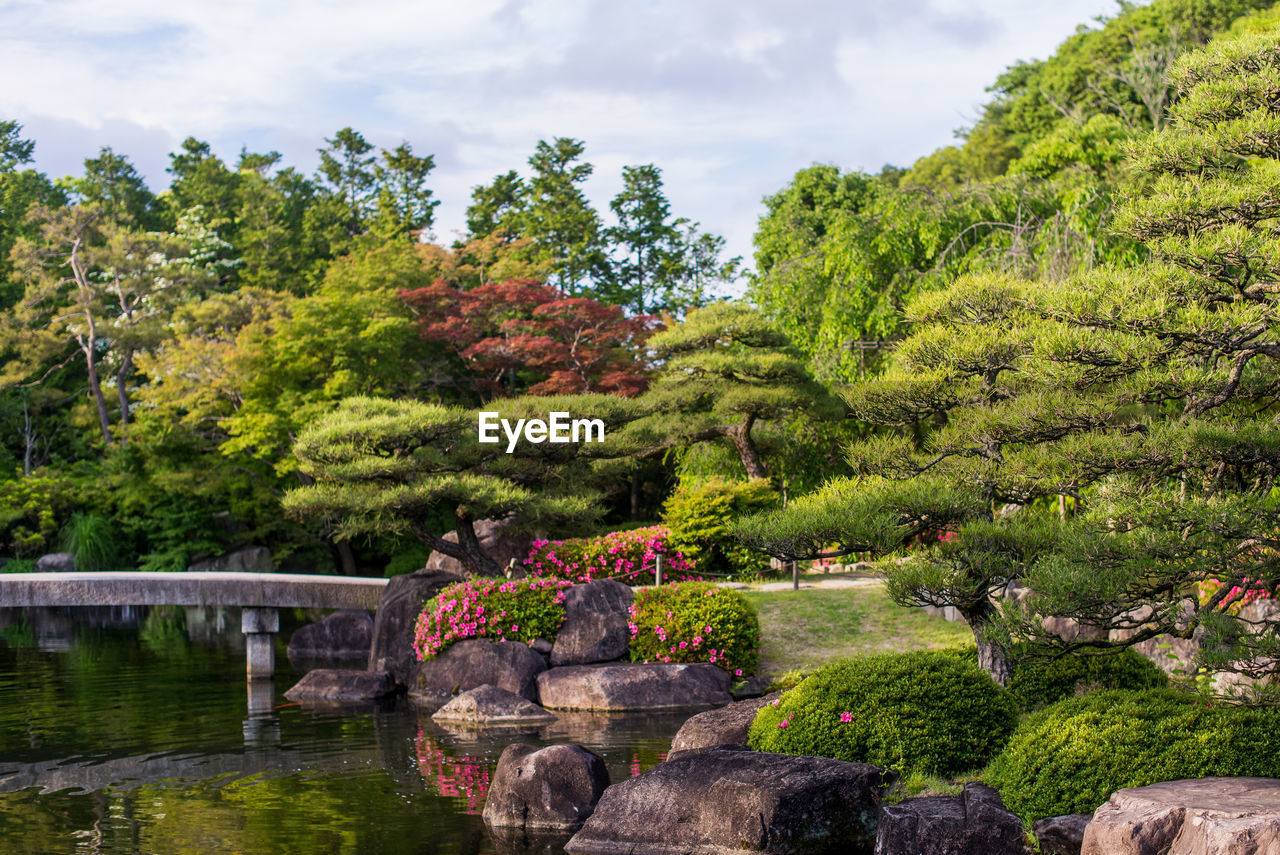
(141, 741)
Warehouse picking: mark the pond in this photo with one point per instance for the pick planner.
(134, 731)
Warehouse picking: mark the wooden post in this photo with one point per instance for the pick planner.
(795, 575)
(657, 569)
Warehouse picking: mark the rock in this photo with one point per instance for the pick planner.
(510, 665)
(334, 685)
(342, 637)
(56, 562)
(398, 609)
(553, 788)
(972, 823)
(596, 624)
(751, 687)
(726, 800)
(491, 705)
(723, 726)
(1203, 816)
(651, 686)
(1062, 835)
(518, 841)
(498, 539)
(254, 559)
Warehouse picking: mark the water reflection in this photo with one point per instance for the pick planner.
(148, 739)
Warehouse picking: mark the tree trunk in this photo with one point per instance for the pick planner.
(635, 496)
(28, 437)
(122, 392)
(95, 388)
(992, 657)
(467, 549)
(346, 557)
(741, 436)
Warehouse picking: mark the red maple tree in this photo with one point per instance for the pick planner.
(522, 335)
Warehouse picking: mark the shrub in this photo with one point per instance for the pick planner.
(1072, 756)
(518, 610)
(1039, 682)
(29, 511)
(408, 560)
(913, 712)
(89, 539)
(701, 519)
(627, 556)
(695, 622)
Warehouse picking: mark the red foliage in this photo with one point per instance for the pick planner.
(524, 329)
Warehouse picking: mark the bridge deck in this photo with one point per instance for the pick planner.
(247, 590)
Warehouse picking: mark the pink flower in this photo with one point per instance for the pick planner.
(846, 716)
(737, 672)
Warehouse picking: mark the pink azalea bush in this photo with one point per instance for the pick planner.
(627, 556)
(695, 622)
(500, 610)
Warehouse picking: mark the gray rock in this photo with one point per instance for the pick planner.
(651, 686)
(253, 559)
(335, 685)
(520, 841)
(724, 726)
(1203, 816)
(491, 705)
(56, 562)
(343, 637)
(973, 823)
(595, 629)
(1062, 835)
(498, 539)
(398, 608)
(464, 665)
(553, 788)
(722, 800)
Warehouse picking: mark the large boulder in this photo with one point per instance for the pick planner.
(972, 823)
(728, 800)
(1202, 816)
(649, 686)
(596, 624)
(398, 608)
(337, 685)
(252, 559)
(1062, 835)
(724, 726)
(547, 789)
(499, 540)
(489, 705)
(463, 665)
(343, 637)
(56, 562)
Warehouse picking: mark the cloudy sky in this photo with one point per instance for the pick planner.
(728, 97)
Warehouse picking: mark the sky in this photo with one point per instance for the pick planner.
(729, 98)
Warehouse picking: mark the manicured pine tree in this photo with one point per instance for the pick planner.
(1145, 395)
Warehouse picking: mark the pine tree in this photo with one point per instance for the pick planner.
(1143, 398)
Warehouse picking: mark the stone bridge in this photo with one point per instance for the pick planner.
(260, 595)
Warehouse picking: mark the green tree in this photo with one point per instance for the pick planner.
(497, 207)
(399, 467)
(563, 225)
(1144, 395)
(349, 168)
(404, 203)
(112, 184)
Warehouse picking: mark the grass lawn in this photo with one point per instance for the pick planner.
(800, 630)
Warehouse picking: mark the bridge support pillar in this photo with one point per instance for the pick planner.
(260, 627)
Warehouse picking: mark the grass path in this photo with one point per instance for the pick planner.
(800, 630)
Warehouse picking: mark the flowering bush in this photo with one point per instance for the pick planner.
(695, 622)
(926, 712)
(517, 610)
(627, 556)
(701, 519)
(1239, 596)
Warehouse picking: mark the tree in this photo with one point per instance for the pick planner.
(404, 203)
(397, 467)
(521, 335)
(563, 225)
(496, 207)
(345, 163)
(20, 190)
(1146, 397)
(724, 369)
(112, 184)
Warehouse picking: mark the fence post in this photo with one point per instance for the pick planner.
(795, 575)
(657, 569)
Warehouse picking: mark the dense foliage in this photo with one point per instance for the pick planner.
(1071, 757)
(629, 556)
(695, 622)
(516, 610)
(1145, 396)
(918, 712)
(700, 518)
(1038, 682)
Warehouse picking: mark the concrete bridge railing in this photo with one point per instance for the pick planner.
(260, 595)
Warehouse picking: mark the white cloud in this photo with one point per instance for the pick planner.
(729, 98)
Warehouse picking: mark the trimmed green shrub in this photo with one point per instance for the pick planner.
(1038, 683)
(913, 712)
(1072, 756)
(701, 519)
(695, 622)
(517, 610)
